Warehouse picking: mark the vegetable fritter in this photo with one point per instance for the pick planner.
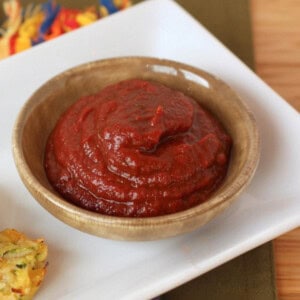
(22, 265)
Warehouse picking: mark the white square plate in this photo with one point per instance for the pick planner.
(86, 267)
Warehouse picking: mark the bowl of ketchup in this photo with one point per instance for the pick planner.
(135, 148)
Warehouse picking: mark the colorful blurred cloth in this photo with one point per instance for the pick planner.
(27, 26)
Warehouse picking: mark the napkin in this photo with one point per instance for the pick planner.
(248, 277)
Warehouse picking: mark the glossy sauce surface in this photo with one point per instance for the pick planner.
(137, 148)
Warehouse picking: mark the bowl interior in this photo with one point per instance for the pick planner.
(40, 114)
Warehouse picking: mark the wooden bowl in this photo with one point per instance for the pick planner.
(41, 112)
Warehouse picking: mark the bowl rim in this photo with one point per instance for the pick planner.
(33, 184)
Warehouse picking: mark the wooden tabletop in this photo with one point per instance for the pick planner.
(276, 37)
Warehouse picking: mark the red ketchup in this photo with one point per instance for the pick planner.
(137, 149)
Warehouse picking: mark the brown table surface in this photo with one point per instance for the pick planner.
(276, 37)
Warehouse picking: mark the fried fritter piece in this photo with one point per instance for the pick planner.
(22, 265)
